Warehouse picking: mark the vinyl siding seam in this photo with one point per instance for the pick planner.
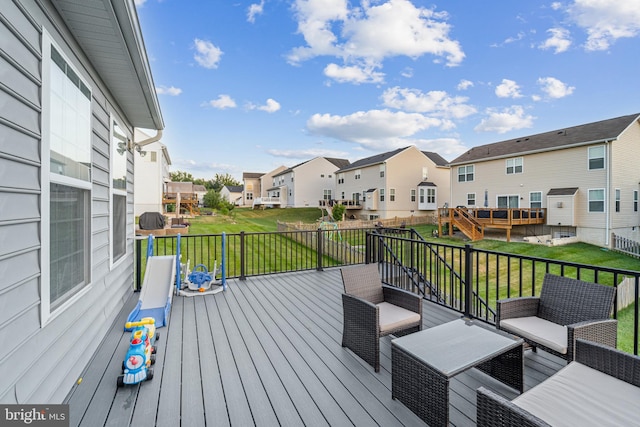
(20, 68)
(19, 160)
(18, 128)
(34, 50)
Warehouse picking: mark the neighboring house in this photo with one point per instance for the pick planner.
(587, 177)
(255, 185)
(151, 173)
(232, 194)
(71, 99)
(200, 191)
(397, 183)
(307, 183)
(181, 198)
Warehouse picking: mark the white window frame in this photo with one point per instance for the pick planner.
(47, 178)
(463, 172)
(431, 195)
(513, 164)
(469, 200)
(635, 200)
(382, 169)
(382, 194)
(117, 192)
(357, 174)
(604, 200)
(510, 197)
(531, 201)
(617, 201)
(392, 194)
(603, 157)
(412, 194)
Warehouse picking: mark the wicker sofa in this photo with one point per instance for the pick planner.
(567, 309)
(372, 310)
(600, 388)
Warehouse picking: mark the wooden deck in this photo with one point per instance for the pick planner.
(266, 352)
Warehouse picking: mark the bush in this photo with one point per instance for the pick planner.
(338, 212)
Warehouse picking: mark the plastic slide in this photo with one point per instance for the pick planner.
(157, 290)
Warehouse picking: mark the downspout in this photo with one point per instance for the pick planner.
(607, 225)
(151, 140)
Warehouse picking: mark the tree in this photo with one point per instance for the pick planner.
(212, 199)
(338, 212)
(181, 176)
(225, 179)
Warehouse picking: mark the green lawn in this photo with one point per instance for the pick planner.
(249, 220)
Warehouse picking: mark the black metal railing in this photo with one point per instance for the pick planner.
(464, 279)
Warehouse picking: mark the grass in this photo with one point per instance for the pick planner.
(249, 220)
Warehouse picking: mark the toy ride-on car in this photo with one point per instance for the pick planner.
(136, 366)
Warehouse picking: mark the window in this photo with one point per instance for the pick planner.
(342, 195)
(511, 201)
(381, 171)
(321, 175)
(118, 192)
(249, 196)
(596, 157)
(471, 199)
(431, 195)
(392, 194)
(326, 195)
(341, 178)
(67, 172)
(635, 200)
(154, 157)
(514, 165)
(617, 200)
(535, 199)
(425, 173)
(413, 195)
(356, 174)
(596, 200)
(465, 173)
(421, 195)
(382, 194)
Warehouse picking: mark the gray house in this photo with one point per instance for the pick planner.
(75, 82)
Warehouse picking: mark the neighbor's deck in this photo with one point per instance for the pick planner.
(266, 352)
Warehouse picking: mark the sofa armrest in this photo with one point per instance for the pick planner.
(494, 410)
(516, 307)
(359, 313)
(603, 331)
(402, 298)
(611, 361)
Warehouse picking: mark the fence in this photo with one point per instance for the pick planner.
(465, 279)
(626, 246)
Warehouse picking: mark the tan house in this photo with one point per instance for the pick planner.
(397, 183)
(587, 177)
(255, 185)
(307, 183)
(232, 194)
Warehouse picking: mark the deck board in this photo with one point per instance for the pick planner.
(266, 352)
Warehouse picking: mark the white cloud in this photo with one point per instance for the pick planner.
(332, 28)
(353, 74)
(508, 89)
(255, 9)
(407, 72)
(606, 21)
(556, 5)
(222, 102)
(464, 84)
(139, 3)
(307, 154)
(207, 54)
(271, 106)
(373, 129)
(554, 88)
(506, 120)
(171, 90)
(436, 103)
(559, 40)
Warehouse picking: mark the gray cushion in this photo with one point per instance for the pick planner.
(581, 396)
(393, 317)
(542, 331)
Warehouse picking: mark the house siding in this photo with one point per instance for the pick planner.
(39, 361)
(626, 177)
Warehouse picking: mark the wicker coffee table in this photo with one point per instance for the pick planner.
(424, 362)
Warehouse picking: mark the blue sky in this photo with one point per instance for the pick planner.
(247, 86)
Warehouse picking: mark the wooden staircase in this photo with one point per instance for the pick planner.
(467, 224)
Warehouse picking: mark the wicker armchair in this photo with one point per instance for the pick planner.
(601, 387)
(372, 310)
(566, 310)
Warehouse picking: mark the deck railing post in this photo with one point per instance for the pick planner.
(242, 257)
(467, 280)
(319, 250)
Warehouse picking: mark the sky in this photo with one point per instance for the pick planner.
(248, 86)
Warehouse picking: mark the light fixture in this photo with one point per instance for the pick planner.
(140, 151)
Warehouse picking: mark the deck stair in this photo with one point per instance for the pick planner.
(467, 224)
